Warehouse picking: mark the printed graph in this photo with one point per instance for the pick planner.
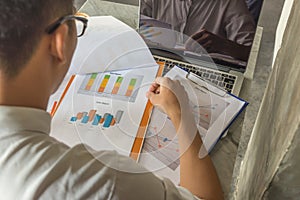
(95, 119)
(204, 113)
(112, 85)
(206, 106)
(161, 141)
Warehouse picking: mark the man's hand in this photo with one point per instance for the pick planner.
(197, 172)
(211, 43)
(169, 96)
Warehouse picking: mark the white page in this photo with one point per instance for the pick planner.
(109, 44)
(99, 92)
(54, 98)
(213, 109)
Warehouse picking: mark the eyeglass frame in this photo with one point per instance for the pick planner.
(52, 27)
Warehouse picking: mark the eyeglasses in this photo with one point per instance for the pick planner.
(81, 24)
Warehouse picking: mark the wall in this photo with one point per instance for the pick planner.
(286, 10)
(286, 182)
(269, 166)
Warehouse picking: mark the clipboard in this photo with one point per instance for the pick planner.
(218, 106)
(204, 85)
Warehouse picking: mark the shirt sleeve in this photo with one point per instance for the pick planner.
(146, 8)
(239, 23)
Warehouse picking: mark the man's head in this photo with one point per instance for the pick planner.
(37, 42)
(22, 24)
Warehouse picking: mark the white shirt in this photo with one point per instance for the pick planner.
(230, 19)
(34, 165)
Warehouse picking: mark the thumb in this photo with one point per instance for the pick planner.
(152, 97)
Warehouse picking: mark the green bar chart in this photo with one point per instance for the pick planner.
(110, 85)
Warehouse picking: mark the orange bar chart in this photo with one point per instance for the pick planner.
(130, 87)
(79, 116)
(92, 114)
(117, 85)
(91, 82)
(104, 83)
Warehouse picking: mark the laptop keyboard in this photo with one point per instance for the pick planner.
(217, 78)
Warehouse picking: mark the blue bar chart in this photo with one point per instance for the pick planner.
(93, 118)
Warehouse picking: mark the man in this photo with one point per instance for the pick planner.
(254, 7)
(219, 26)
(37, 41)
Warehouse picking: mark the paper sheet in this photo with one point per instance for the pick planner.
(109, 44)
(104, 110)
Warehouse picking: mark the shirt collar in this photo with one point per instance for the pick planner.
(18, 119)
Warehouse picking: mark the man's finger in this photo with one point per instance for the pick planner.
(152, 97)
(153, 87)
(199, 34)
(194, 37)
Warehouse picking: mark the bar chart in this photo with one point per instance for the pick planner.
(93, 118)
(110, 85)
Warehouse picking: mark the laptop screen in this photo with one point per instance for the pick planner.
(223, 29)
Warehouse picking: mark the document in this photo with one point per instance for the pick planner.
(104, 110)
(214, 110)
(107, 45)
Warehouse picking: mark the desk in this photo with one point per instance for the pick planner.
(128, 13)
(228, 154)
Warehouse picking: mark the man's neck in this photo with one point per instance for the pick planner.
(24, 91)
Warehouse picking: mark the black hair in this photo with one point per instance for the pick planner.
(22, 23)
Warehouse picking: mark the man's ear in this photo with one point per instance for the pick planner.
(58, 44)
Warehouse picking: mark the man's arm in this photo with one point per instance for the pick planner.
(197, 172)
(146, 8)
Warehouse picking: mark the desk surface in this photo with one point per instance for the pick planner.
(228, 154)
(127, 13)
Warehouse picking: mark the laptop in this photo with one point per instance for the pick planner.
(222, 71)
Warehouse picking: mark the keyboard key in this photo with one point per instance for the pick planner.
(199, 73)
(221, 84)
(212, 76)
(232, 77)
(215, 82)
(220, 78)
(230, 81)
(229, 86)
(205, 75)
